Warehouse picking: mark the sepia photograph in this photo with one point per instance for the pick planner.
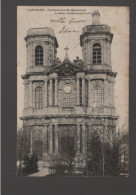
(72, 91)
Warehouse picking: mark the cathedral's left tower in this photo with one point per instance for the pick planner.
(41, 49)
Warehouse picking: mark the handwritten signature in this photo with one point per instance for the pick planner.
(66, 30)
(64, 20)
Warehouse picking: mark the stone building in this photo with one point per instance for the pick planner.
(67, 100)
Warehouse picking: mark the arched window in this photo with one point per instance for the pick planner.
(38, 98)
(39, 56)
(97, 53)
(97, 96)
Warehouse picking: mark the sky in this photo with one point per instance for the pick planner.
(41, 16)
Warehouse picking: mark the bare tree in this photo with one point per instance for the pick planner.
(23, 146)
(102, 156)
(65, 161)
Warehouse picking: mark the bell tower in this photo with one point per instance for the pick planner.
(96, 42)
(41, 45)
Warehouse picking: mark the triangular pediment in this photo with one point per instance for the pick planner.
(66, 68)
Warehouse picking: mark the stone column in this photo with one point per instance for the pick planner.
(89, 94)
(26, 92)
(88, 134)
(109, 53)
(83, 138)
(45, 144)
(45, 138)
(45, 93)
(113, 93)
(33, 95)
(56, 139)
(31, 140)
(78, 102)
(50, 93)
(110, 90)
(88, 52)
(56, 91)
(27, 55)
(33, 54)
(78, 138)
(30, 94)
(83, 91)
(50, 139)
(91, 53)
(104, 52)
(108, 46)
(46, 47)
(106, 94)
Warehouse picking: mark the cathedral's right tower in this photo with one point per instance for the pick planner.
(95, 41)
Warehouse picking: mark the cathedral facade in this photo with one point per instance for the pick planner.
(64, 100)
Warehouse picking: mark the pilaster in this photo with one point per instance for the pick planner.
(31, 140)
(45, 139)
(50, 139)
(104, 52)
(110, 95)
(106, 93)
(83, 91)
(30, 95)
(56, 91)
(78, 92)
(26, 94)
(89, 93)
(83, 138)
(50, 92)
(113, 83)
(56, 139)
(78, 138)
(45, 92)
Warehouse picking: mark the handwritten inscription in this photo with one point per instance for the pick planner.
(60, 20)
(73, 20)
(63, 20)
(66, 30)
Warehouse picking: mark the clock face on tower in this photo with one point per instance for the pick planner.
(67, 88)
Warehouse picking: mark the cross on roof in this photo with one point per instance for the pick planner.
(66, 57)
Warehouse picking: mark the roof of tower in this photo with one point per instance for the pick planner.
(46, 31)
(40, 31)
(95, 12)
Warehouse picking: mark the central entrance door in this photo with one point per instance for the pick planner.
(67, 141)
(39, 149)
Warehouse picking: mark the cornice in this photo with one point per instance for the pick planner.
(87, 116)
(95, 33)
(37, 35)
(110, 73)
(26, 76)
